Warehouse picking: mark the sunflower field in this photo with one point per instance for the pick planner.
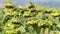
(32, 19)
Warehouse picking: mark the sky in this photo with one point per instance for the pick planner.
(50, 3)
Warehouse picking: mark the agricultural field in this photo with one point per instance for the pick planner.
(32, 19)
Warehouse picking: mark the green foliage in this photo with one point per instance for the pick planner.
(29, 20)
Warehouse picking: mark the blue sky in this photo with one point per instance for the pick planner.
(51, 3)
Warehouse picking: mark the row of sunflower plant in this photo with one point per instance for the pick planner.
(33, 19)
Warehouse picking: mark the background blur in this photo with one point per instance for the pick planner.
(48, 3)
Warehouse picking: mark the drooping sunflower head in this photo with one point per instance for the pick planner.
(8, 4)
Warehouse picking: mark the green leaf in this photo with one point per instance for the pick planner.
(22, 29)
